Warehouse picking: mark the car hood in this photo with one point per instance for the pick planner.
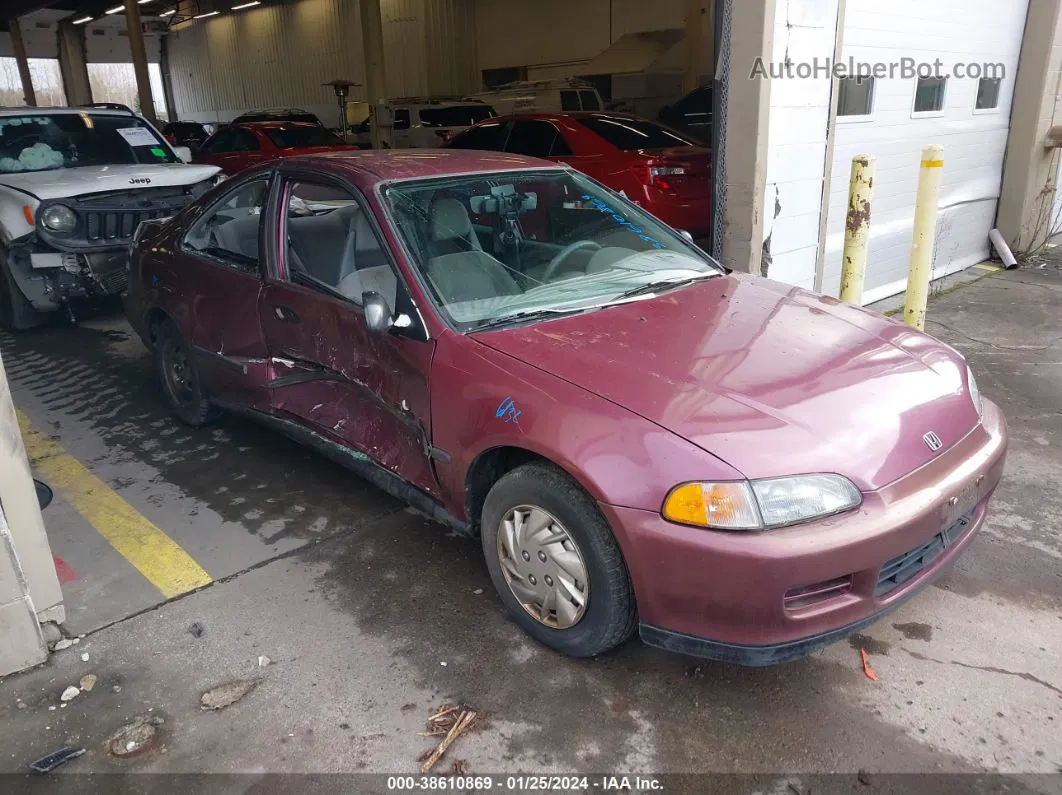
(770, 378)
(61, 182)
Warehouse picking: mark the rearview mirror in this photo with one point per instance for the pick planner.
(377, 313)
(184, 154)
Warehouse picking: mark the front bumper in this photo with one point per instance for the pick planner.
(769, 597)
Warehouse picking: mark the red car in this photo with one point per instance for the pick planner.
(638, 436)
(663, 170)
(238, 146)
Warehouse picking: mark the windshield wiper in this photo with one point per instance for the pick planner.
(663, 284)
(527, 314)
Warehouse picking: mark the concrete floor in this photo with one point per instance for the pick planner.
(372, 616)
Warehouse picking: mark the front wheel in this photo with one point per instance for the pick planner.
(555, 562)
(180, 378)
(16, 312)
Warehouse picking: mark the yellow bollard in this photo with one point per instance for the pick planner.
(857, 229)
(925, 230)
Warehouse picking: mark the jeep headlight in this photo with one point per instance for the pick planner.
(760, 504)
(59, 218)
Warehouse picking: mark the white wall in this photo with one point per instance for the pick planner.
(974, 142)
(279, 55)
(796, 142)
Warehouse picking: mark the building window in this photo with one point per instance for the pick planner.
(929, 94)
(45, 75)
(855, 96)
(988, 93)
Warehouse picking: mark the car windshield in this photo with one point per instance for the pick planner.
(43, 142)
(455, 115)
(630, 133)
(293, 136)
(516, 246)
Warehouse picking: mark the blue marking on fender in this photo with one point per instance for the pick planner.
(508, 411)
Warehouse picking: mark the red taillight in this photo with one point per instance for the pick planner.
(658, 176)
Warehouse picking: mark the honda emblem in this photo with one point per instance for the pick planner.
(932, 441)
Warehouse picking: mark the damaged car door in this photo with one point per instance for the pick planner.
(362, 389)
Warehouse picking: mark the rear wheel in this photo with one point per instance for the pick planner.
(180, 378)
(16, 312)
(555, 562)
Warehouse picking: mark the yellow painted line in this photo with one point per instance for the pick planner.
(153, 553)
(932, 164)
(984, 266)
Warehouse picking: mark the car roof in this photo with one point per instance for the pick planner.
(368, 167)
(568, 114)
(275, 123)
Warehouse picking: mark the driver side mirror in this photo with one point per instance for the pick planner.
(184, 154)
(377, 313)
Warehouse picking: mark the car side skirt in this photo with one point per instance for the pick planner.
(358, 463)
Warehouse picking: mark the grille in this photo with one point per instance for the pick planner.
(114, 282)
(102, 225)
(819, 592)
(903, 567)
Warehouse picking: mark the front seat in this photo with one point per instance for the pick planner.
(451, 229)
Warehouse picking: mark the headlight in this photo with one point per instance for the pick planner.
(760, 504)
(975, 393)
(59, 218)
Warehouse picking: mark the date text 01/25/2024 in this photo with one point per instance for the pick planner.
(524, 783)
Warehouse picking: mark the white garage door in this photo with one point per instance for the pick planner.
(894, 117)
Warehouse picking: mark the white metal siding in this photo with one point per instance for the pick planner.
(280, 55)
(974, 143)
(110, 44)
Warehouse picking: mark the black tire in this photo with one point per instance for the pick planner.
(610, 616)
(180, 379)
(16, 312)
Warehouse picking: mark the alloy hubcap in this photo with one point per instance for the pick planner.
(543, 567)
(180, 378)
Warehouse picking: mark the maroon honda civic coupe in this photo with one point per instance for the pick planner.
(640, 438)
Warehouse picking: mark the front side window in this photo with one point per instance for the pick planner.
(570, 100)
(230, 230)
(536, 139)
(489, 137)
(401, 119)
(332, 245)
(243, 141)
(515, 246)
(455, 115)
(43, 142)
(589, 99)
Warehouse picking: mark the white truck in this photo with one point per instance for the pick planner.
(74, 185)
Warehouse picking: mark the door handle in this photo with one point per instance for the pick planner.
(285, 314)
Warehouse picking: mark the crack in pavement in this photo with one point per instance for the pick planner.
(987, 668)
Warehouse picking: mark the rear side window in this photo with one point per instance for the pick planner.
(401, 120)
(454, 116)
(630, 133)
(570, 100)
(292, 137)
(589, 99)
(536, 139)
(489, 137)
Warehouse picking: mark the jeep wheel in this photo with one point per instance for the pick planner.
(16, 312)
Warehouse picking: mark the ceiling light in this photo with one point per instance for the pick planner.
(141, 2)
(82, 21)
(208, 14)
(247, 5)
(167, 13)
(115, 10)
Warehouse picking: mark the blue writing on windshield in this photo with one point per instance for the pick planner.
(600, 206)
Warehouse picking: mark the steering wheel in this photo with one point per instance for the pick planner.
(563, 254)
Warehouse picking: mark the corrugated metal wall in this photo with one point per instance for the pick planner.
(280, 55)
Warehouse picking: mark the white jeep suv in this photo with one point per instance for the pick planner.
(74, 185)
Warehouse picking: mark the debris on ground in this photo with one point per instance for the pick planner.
(866, 666)
(88, 681)
(20, 704)
(136, 737)
(65, 643)
(70, 693)
(864, 778)
(263, 661)
(84, 656)
(116, 688)
(478, 591)
(442, 663)
(196, 630)
(449, 722)
(695, 672)
(49, 763)
(226, 694)
(459, 768)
